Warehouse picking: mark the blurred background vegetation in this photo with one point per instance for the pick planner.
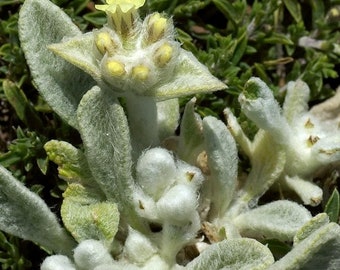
(278, 41)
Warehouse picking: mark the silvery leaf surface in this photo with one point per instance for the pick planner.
(259, 105)
(223, 162)
(280, 220)
(296, 100)
(235, 254)
(190, 77)
(318, 247)
(60, 83)
(268, 160)
(24, 214)
(104, 129)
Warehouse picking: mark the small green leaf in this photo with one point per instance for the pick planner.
(277, 38)
(23, 108)
(43, 164)
(278, 248)
(333, 206)
(241, 47)
(86, 216)
(294, 9)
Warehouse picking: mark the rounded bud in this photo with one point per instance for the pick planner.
(163, 55)
(178, 205)
(156, 27)
(91, 253)
(115, 68)
(140, 72)
(156, 171)
(104, 43)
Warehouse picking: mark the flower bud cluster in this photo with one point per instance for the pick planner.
(137, 58)
(170, 187)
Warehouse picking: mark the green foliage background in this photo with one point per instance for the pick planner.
(234, 39)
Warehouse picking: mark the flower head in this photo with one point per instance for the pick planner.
(125, 6)
(308, 141)
(121, 14)
(130, 56)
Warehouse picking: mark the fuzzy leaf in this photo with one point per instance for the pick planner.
(191, 137)
(24, 214)
(311, 226)
(79, 52)
(310, 193)
(279, 220)
(105, 133)
(319, 250)
(259, 105)
(236, 254)
(61, 84)
(190, 78)
(168, 117)
(222, 159)
(108, 151)
(237, 132)
(87, 217)
(267, 163)
(296, 101)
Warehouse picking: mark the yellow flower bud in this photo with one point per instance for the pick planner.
(115, 68)
(140, 72)
(156, 27)
(104, 43)
(334, 12)
(163, 55)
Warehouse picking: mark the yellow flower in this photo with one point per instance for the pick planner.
(121, 14)
(125, 6)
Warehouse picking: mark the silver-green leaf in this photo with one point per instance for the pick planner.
(235, 254)
(223, 161)
(24, 214)
(61, 84)
(279, 220)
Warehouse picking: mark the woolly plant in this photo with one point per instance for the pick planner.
(140, 197)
